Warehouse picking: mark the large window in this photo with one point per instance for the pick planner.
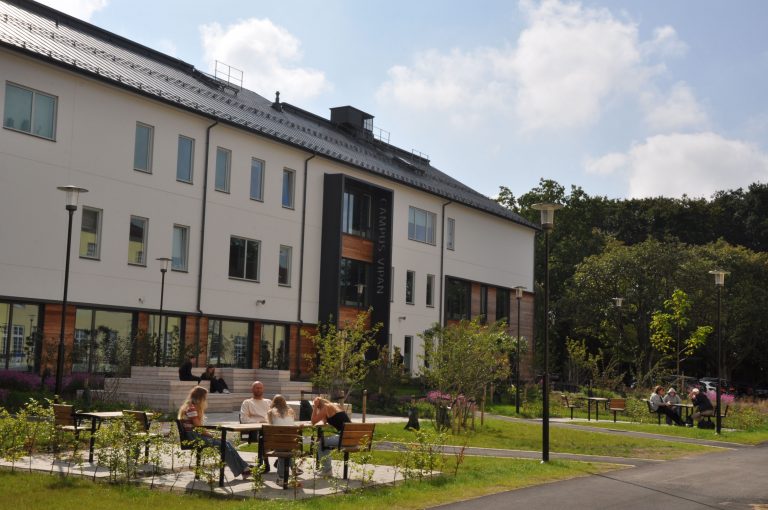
(170, 349)
(502, 304)
(274, 347)
(102, 342)
(20, 336)
(137, 241)
(257, 179)
(421, 225)
(410, 280)
(223, 163)
(289, 183)
(356, 214)
(142, 149)
(185, 159)
(430, 290)
(90, 233)
(457, 299)
(180, 248)
(244, 258)
(29, 111)
(353, 283)
(450, 235)
(228, 343)
(284, 269)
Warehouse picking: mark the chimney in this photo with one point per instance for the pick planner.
(276, 105)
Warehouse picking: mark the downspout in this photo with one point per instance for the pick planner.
(202, 239)
(442, 263)
(301, 265)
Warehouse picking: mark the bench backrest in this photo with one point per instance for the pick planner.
(283, 438)
(186, 442)
(356, 436)
(140, 417)
(64, 415)
(564, 399)
(617, 403)
(650, 409)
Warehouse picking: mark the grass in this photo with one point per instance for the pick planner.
(477, 477)
(734, 436)
(527, 436)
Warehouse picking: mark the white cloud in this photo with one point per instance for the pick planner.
(265, 52)
(82, 9)
(666, 43)
(678, 110)
(606, 165)
(697, 165)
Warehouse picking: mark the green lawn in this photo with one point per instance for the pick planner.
(733, 436)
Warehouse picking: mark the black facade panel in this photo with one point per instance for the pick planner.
(381, 272)
(330, 248)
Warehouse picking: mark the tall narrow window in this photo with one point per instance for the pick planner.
(430, 290)
(142, 150)
(407, 352)
(137, 241)
(180, 249)
(90, 233)
(421, 225)
(185, 158)
(223, 162)
(29, 111)
(450, 234)
(356, 214)
(457, 299)
(289, 178)
(483, 304)
(353, 283)
(284, 271)
(392, 284)
(502, 304)
(410, 277)
(257, 179)
(244, 258)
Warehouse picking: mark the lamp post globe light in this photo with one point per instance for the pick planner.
(360, 290)
(519, 295)
(719, 283)
(160, 331)
(547, 223)
(72, 195)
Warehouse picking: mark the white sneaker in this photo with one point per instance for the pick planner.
(225, 391)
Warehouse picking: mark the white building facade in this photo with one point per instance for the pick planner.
(274, 219)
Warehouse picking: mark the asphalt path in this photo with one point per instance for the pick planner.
(734, 478)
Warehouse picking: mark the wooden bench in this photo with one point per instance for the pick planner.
(722, 416)
(283, 442)
(650, 410)
(142, 421)
(355, 437)
(616, 405)
(64, 419)
(567, 404)
(191, 444)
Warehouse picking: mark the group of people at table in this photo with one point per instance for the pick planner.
(670, 404)
(258, 409)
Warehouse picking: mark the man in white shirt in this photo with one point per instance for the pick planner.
(255, 409)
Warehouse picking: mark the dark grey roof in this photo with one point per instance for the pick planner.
(50, 35)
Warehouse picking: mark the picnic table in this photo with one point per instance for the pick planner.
(597, 401)
(97, 417)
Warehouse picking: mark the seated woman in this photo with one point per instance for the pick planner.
(192, 415)
(332, 414)
(673, 399)
(280, 413)
(702, 405)
(659, 406)
(218, 385)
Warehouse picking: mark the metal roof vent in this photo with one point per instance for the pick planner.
(352, 120)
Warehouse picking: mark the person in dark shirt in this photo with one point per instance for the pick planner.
(218, 385)
(185, 371)
(702, 405)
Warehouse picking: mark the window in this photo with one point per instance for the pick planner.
(451, 234)
(410, 277)
(407, 352)
(284, 271)
(289, 178)
(90, 233)
(457, 299)
(142, 150)
(20, 335)
(180, 249)
(137, 241)
(502, 305)
(223, 162)
(421, 225)
(105, 337)
(185, 159)
(244, 258)
(30, 111)
(356, 214)
(228, 344)
(257, 179)
(274, 347)
(430, 290)
(483, 304)
(353, 279)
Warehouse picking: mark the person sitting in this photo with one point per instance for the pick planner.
(673, 399)
(334, 415)
(185, 371)
(254, 410)
(192, 416)
(218, 385)
(659, 406)
(702, 405)
(280, 413)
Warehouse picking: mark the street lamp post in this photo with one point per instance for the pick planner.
(719, 283)
(72, 192)
(618, 301)
(161, 332)
(519, 295)
(547, 223)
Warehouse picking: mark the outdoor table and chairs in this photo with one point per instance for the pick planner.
(97, 417)
(597, 401)
(686, 407)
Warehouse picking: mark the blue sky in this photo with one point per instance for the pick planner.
(623, 98)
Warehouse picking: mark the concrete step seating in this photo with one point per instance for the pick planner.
(159, 387)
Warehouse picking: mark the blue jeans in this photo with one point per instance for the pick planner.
(329, 443)
(232, 459)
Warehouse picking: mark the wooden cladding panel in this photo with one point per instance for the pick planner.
(348, 314)
(51, 334)
(357, 248)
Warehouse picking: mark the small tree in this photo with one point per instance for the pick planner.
(343, 356)
(463, 358)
